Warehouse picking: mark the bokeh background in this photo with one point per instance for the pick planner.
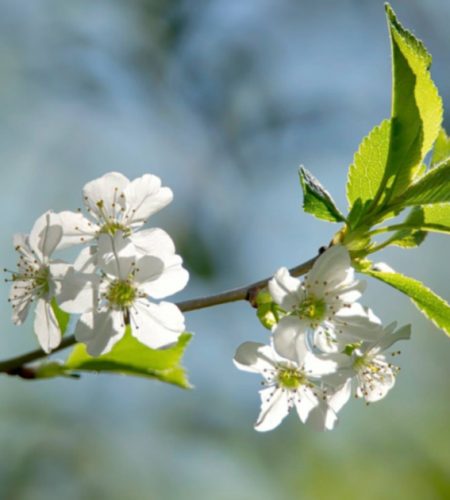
(223, 99)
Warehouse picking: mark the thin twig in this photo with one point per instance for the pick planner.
(14, 366)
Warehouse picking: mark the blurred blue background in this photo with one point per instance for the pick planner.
(223, 99)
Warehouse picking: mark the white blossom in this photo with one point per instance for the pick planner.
(123, 294)
(292, 383)
(37, 279)
(324, 304)
(368, 366)
(114, 203)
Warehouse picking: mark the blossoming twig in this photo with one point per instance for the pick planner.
(14, 365)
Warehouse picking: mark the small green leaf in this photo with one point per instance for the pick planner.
(62, 317)
(130, 357)
(268, 312)
(369, 163)
(409, 238)
(433, 187)
(316, 199)
(437, 217)
(431, 305)
(54, 369)
(412, 234)
(441, 150)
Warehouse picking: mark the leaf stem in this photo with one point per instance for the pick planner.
(14, 366)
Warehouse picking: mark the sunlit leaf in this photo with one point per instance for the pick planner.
(316, 199)
(441, 150)
(130, 357)
(433, 187)
(369, 163)
(412, 235)
(417, 107)
(431, 305)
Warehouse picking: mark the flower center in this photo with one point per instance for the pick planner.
(121, 294)
(39, 278)
(290, 378)
(111, 227)
(41, 281)
(311, 308)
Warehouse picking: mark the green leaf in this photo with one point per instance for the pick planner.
(441, 150)
(53, 369)
(431, 305)
(369, 163)
(437, 218)
(431, 188)
(415, 123)
(61, 316)
(412, 235)
(130, 357)
(417, 107)
(316, 199)
(429, 218)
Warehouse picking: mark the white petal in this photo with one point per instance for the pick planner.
(153, 241)
(172, 279)
(357, 322)
(286, 335)
(22, 244)
(46, 326)
(305, 401)
(77, 229)
(285, 290)
(274, 409)
(378, 390)
(58, 269)
(389, 338)
(156, 325)
(254, 357)
(317, 367)
(347, 294)
(144, 196)
(331, 270)
(86, 261)
(46, 235)
(78, 292)
(100, 331)
(324, 338)
(322, 417)
(20, 299)
(116, 255)
(340, 396)
(105, 191)
(148, 269)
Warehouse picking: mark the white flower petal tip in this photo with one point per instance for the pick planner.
(382, 267)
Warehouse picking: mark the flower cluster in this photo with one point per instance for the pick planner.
(324, 342)
(120, 273)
